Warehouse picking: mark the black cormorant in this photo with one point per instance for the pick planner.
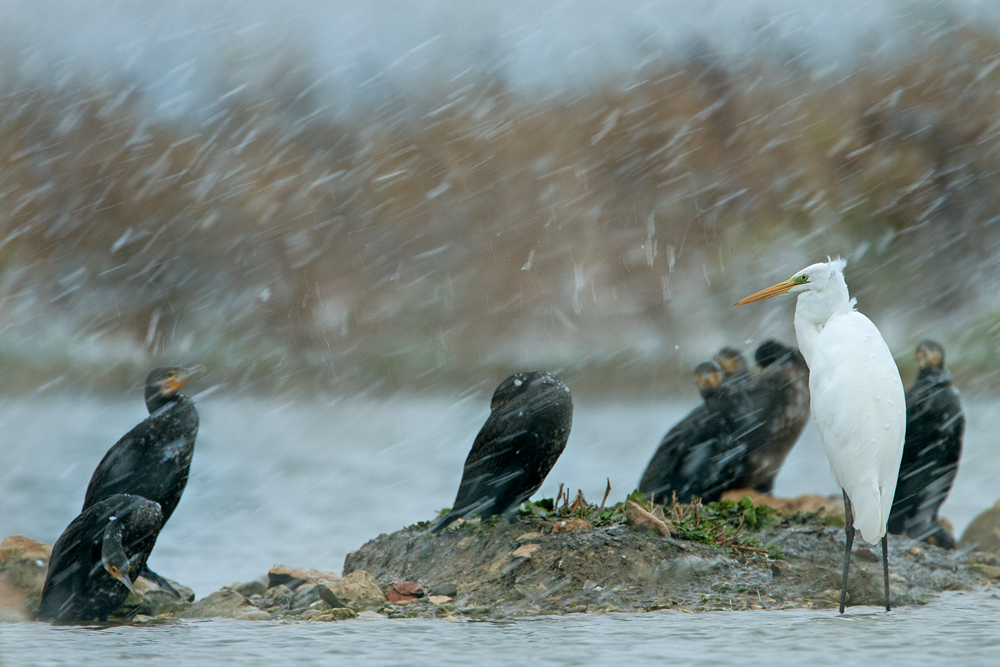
(95, 559)
(935, 424)
(154, 458)
(779, 403)
(703, 453)
(733, 364)
(529, 423)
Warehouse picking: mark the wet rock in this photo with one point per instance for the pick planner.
(280, 596)
(250, 588)
(983, 534)
(224, 603)
(525, 550)
(642, 519)
(303, 596)
(12, 603)
(809, 503)
(569, 525)
(403, 590)
(358, 591)
(293, 577)
(449, 589)
(151, 599)
(24, 562)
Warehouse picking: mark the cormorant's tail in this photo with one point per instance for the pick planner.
(445, 521)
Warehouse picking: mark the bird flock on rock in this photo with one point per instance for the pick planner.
(737, 438)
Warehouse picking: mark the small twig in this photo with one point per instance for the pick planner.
(607, 492)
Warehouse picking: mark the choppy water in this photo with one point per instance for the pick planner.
(303, 483)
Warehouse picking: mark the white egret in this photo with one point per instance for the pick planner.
(857, 400)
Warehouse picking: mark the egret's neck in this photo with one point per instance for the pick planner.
(814, 309)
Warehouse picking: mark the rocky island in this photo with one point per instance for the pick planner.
(559, 558)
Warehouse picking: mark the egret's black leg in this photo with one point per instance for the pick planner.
(885, 567)
(849, 529)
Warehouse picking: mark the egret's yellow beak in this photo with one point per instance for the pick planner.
(175, 383)
(773, 290)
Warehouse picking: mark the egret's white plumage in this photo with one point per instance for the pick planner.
(856, 394)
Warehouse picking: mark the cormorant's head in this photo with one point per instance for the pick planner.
(708, 376)
(113, 556)
(771, 351)
(732, 362)
(930, 354)
(519, 383)
(162, 384)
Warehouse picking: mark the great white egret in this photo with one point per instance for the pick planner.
(857, 400)
(935, 424)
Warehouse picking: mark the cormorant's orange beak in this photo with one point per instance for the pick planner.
(120, 576)
(773, 290)
(175, 383)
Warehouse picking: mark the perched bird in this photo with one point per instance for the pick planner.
(733, 364)
(935, 424)
(530, 418)
(702, 454)
(154, 458)
(94, 560)
(779, 403)
(857, 400)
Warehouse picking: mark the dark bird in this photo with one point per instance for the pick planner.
(733, 364)
(779, 403)
(94, 560)
(154, 458)
(530, 418)
(935, 424)
(703, 453)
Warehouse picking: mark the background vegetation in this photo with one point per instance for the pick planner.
(446, 237)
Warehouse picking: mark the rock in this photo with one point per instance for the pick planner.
(403, 590)
(303, 596)
(255, 615)
(151, 599)
(641, 519)
(989, 570)
(569, 525)
(370, 616)
(224, 603)
(449, 589)
(438, 600)
(357, 591)
(527, 537)
(12, 603)
(983, 534)
(294, 577)
(280, 595)
(249, 588)
(525, 550)
(24, 561)
(831, 505)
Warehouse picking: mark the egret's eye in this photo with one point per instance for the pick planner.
(800, 280)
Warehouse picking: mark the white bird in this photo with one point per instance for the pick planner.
(857, 400)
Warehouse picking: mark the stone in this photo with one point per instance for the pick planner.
(223, 603)
(370, 616)
(12, 603)
(449, 589)
(280, 595)
(525, 550)
(641, 519)
(569, 525)
(358, 591)
(526, 537)
(303, 596)
(438, 600)
(983, 533)
(831, 505)
(151, 599)
(403, 590)
(24, 562)
(255, 615)
(248, 589)
(294, 577)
